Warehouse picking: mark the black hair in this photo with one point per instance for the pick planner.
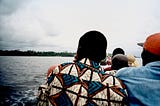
(118, 51)
(148, 57)
(92, 45)
(119, 61)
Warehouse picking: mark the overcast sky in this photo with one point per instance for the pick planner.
(57, 25)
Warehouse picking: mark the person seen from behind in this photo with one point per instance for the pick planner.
(118, 61)
(115, 52)
(143, 83)
(83, 81)
(118, 51)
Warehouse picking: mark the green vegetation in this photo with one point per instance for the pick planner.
(34, 53)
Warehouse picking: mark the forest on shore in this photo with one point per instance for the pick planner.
(34, 53)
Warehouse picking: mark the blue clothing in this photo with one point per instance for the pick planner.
(142, 84)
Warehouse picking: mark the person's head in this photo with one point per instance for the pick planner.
(118, 51)
(119, 61)
(131, 59)
(92, 45)
(132, 62)
(151, 49)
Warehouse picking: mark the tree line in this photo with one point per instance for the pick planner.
(34, 53)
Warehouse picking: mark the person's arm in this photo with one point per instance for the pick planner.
(51, 69)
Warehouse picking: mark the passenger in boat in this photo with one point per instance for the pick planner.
(119, 61)
(132, 62)
(83, 81)
(118, 51)
(143, 83)
(115, 52)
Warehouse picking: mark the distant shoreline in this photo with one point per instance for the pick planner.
(40, 53)
(34, 53)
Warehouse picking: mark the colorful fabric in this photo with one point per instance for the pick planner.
(142, 84)
(84, 83)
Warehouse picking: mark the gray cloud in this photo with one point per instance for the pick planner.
(9, 6)
(54, 24)
(21, 27)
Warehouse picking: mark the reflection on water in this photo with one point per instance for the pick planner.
(21, 76)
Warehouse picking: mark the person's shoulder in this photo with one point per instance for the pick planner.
(66, 64)
(127, 71)
(155, 63)
(57, 66)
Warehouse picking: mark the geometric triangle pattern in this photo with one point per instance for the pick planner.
(93, 87)
(69, 80)
(61, 99)
(84, 83)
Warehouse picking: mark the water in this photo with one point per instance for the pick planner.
(20, 78)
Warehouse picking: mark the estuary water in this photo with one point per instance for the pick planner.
(21, 76)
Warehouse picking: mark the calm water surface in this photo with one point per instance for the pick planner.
(21, 76)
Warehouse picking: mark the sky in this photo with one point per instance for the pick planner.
(57, 25)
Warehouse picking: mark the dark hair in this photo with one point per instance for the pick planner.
(92, 45)
(119, 61)
(118, 51)
(148, 57)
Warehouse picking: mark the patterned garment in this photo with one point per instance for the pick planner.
(84, 83)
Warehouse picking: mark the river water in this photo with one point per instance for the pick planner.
(20, 78)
